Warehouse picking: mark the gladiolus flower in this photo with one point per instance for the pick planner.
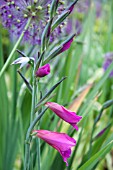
(72, 6)
(43, 71)
(67, 44)
(60, 141)
(65, 114)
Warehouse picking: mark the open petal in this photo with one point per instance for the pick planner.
(60, 141)
(65, 114)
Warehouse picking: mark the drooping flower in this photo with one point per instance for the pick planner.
(15, 14)
(65, 114)
(43, 71)
(108, 60)
(22, 61)
(60, 141)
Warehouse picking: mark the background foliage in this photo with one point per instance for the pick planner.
(86, 91)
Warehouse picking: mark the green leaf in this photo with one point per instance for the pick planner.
(53, 8)
(97, 157)
(26, 82)
(45, 36)
(61, 48)
(100, 140)
(61, 18)
(96, 88)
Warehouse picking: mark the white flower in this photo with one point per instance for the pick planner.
(22, 60)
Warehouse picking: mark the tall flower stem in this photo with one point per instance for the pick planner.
(14, 49)
(28, 140)
(38, 140)
(38, 151)
(28, 137)
(33, 96)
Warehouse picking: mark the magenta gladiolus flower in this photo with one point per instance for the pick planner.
(67, 44)
(72, 6)
(65, 114)
(43, 71)
(60, 141)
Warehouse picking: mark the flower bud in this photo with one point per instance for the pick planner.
(43, 71)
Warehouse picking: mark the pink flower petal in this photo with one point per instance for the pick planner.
(65, 114)
(43, 71)
(60, 141)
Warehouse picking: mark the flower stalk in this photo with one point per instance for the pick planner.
(28, 137)
(41, 68)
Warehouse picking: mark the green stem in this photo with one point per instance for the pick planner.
(38, 151)
(33, 97)
(28, 139)
(93, 129)
(40, 111)
(34, 123)
(14, 49)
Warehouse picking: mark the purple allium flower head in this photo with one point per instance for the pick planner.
(43, 71)
(15, 14)
(60, 141)
(108, 60)
(2, 2)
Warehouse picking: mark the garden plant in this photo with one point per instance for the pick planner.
(56, 84)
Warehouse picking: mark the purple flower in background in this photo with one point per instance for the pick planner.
(60, 141)
(2, 2)
(14, 15)
(82, 8)
(65, 114)
(98, 8)
(108, 60)
(69, 26)
(43, 71)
